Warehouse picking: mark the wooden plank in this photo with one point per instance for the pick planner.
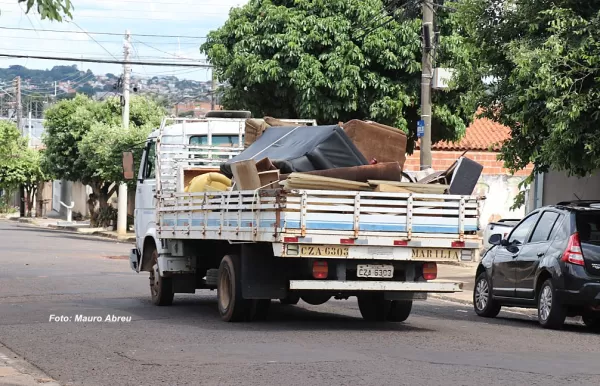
(269, 179)
(245, 175)
(391, 189)
(311, 181)
(414, 187)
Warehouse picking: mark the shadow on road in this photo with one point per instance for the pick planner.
(202, 311)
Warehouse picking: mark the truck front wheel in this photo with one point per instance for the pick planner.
(232, 306)
(161, 288)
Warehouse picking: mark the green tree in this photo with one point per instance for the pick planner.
(537, 71)
(50, 9)
(334, 60)
(84, 140)
(19, 165)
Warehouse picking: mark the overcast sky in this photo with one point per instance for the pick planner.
(193, 18)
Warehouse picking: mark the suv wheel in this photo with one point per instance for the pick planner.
(483, 302)
(551, 314)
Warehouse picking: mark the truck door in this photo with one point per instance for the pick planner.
(145, 202)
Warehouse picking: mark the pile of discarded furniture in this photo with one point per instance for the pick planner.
(356, 155)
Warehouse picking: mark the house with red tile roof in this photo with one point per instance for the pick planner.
(482, 142)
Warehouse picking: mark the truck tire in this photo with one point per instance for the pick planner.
(232, 306)
(212, 277)
(161, 288)
(399, 310)
(291, 299)
(373, 307)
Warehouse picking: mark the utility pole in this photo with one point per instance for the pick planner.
(122, 196)
(212, 89)
(426, 76)
(55, 86)
(19, 108)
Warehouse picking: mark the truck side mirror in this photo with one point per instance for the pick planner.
(495, 239)
(128, 165)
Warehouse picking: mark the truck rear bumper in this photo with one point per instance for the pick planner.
(338, 285)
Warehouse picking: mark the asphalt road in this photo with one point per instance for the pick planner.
(44, 273)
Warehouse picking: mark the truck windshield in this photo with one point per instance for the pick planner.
(217, 140)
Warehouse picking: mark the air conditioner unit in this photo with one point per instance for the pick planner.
(441, 78)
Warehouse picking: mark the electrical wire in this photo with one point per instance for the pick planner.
(89, 60)
(103, 33)
(91, 37)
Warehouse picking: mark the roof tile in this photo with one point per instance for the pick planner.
(483, 134)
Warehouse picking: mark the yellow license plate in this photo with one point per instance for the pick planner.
(435, 254)
(323, 251)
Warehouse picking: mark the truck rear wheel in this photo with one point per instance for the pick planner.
(232, 306)
(373, 307)
(399, 310)
(290, 299)
(161, 288)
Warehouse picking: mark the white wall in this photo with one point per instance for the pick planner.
(500, 192)
(557, 187)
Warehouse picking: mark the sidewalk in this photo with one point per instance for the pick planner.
(465, 274)
(16, 371)
(81, 227)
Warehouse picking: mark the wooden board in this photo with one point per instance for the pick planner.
(413, 187)
(386, 188)
(311, 181)
(245, 175)
(269, 179)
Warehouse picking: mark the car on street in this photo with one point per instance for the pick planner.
(502, 227)
(549, 261)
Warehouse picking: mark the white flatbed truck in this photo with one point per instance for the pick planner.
(256, 246)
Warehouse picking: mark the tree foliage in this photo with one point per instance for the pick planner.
(535, 69)
(19, 165)
(333, 60)
(50, 9)
(84, 140)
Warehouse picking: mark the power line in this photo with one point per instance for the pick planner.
(91, 37)
(89, 60)
(109, 14)
(100, 41)
(103, 33)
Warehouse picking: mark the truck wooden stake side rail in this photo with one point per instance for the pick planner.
(314, 245)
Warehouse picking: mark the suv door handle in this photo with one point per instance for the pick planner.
(515, 255)
(540, 254)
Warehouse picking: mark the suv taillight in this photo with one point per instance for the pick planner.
(573, 253)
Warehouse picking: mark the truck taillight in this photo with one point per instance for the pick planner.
(429, 271)
(320, 270)
(573, 252)
(458, 244)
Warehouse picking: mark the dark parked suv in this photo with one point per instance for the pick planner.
(550, 260)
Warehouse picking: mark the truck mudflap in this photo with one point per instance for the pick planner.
(338, 285)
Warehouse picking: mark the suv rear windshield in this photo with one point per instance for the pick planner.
(588, 228)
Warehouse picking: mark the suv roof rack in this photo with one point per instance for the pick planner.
(580, 203)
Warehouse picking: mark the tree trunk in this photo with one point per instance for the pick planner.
(29, 194)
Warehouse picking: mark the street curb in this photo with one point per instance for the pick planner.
(451, 299)
(75, 230)
(34, 375)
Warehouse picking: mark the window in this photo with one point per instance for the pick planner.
(217, 140)
(544, 227)
(150, 167)
(519, 234)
